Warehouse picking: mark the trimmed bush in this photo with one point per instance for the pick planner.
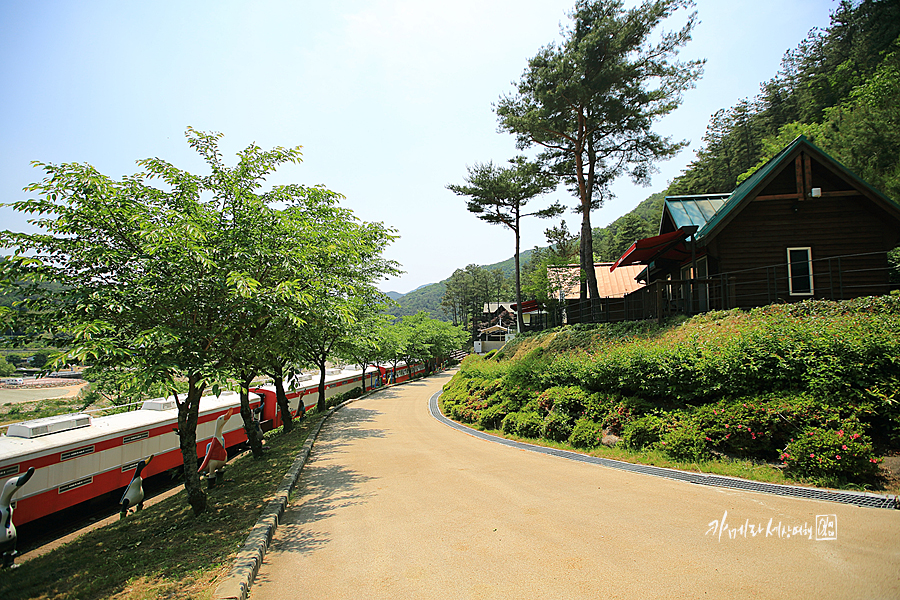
(556, 427)
(586, 434)
(831, 457)
(568, 401)
(684, 442)
(492, 417)
(644, 432)
(524, 424)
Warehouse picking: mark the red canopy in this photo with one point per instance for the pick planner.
(528, 306)
(666, 246)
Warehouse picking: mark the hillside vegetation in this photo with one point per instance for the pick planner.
(811, 389)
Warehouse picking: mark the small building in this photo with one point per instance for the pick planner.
(802, 226)
(492, 338)
(613, 286)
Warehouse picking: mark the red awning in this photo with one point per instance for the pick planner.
(528, 306)
(666, 246)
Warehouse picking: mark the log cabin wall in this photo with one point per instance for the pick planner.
(784, 214)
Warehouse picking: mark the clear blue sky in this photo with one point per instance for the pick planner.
(390, 99)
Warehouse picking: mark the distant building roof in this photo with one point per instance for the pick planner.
(610, 285)
(492, 307)
(494, 329)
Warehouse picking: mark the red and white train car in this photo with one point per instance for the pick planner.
(78, 457)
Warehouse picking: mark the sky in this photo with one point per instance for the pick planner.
(390, 100)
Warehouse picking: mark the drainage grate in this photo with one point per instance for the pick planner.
(846, 497)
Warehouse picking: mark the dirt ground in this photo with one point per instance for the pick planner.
(31, 393)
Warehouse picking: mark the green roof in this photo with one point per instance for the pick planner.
(753, 184)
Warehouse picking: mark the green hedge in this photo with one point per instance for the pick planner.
(740, 384)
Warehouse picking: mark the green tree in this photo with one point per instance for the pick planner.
(864, 131)
(561, 250)
(591, 102)
(499, 195)
(348, 295)
(39, 359)
(630, 228)
(365, 341)
(156, 280)
(6, 369)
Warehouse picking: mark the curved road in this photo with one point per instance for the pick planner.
(394, 504)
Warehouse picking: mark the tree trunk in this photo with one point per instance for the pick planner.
(520, 321)
(585, 191)
(587, 236)
(364, 378)
(188, 413)
(287, 422)
(254, 435)
(321, 405)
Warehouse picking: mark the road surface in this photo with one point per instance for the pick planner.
(394, 504)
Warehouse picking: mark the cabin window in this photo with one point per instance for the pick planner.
(800, 273)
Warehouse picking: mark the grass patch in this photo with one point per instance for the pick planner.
(164, 551)
(728, 467)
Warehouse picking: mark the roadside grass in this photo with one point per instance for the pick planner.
(728, 467)
(164, 551)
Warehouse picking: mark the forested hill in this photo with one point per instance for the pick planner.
(839, 88)
(428, 297)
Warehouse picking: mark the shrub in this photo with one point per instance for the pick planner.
(646, 431)
(759, 427)
(528, 371)
(556, 427)
(831, 457)
(614, 412)
(524, 424)
(568, 401)
(586, 434)
(492, 417)
(684, 441)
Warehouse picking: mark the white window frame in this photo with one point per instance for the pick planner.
(812, 289)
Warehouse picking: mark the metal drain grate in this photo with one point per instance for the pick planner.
(846, 497)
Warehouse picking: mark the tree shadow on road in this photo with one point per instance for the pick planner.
(326, 487)
(323, 491)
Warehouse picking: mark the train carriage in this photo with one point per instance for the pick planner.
(78, 457)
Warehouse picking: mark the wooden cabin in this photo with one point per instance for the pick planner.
(613, 286)
(802, 226)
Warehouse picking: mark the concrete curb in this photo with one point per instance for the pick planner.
(243, 571)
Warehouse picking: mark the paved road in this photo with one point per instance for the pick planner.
(394, 504)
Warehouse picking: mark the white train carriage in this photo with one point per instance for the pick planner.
(78, 457)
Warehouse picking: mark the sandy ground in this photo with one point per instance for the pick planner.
(25, 394)
(394, 504)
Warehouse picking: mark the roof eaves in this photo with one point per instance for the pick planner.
(742, 191)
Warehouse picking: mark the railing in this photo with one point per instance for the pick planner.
(834, 278)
